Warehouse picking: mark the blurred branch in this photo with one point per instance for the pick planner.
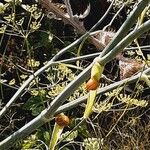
(67, 18)
(69, 10)
(74, 20)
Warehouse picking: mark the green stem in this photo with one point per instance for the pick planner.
(126, 26)
(124, 43)
(55, 136)
(90, 103)
(144, 77)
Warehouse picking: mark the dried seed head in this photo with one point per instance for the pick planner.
(129, 67)
(105, 36)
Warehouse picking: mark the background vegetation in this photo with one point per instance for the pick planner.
(31, 35)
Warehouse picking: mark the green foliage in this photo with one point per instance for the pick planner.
(132, 101)
(30, 142)
(33, 142)
(3, 8)
(32, 63)
(35, 105)
(116, 95)
(58, 77)
(92, 143)
(67, 136)
(102, 106)
(40, 39)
